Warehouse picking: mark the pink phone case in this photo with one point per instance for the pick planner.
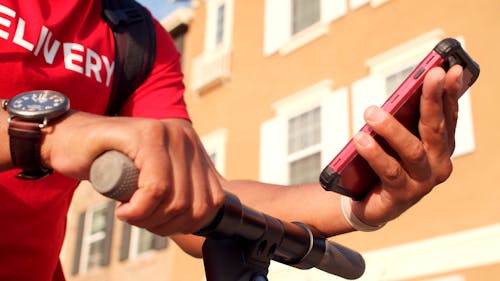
(348, 173)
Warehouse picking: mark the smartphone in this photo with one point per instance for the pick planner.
(348, 173)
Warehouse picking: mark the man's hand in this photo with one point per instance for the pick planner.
(425, 162)
(179, 190)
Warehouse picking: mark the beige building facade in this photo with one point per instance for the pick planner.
(276, 87)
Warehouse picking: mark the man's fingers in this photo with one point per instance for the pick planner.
(387, 168)
(407, 146)
(454, 88)
(191, 191)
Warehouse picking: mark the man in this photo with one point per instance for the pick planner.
(68, 48)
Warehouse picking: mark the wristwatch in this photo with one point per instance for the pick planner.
(29, 113)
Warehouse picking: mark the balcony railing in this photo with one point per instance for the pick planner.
(210, 69)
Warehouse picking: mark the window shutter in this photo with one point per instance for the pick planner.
(78, 247)
(273, 151)
(277, 25)
(332, 9)
(125, 245)
(334, 124)
(365, 92)
(464, 134)
(110, 213)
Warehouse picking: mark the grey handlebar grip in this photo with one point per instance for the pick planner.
(114, 175)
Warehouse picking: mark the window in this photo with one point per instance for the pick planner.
(213, 157)
(304, 138)
(219, 31)
(393, 81)
(305, 170)
(304, 130)
(375, 89)
(143, 241)
(94, 238)
(212, 67)
(309, 127)
(138, 242)
(304, 14)
(290, 24)
(218, 24)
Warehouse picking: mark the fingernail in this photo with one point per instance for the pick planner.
(362, 139)
(374, 114)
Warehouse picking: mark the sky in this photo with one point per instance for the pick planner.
(161, 8)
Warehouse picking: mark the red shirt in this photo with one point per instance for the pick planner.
(64, 45)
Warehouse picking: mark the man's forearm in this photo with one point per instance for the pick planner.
(309, 204)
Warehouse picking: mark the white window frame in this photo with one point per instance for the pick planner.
(213, 65)
(274, 158)
(211, 25)
(277, 25)
(135, 234)
(303, 152)
(215, 143)
(88, 238)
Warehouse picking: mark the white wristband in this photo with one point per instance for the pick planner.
(355, 222)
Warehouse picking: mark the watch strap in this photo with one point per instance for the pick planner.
(25, 144)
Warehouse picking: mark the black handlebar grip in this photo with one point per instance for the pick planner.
(341, 261)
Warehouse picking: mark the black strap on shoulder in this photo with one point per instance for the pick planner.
(135, 44)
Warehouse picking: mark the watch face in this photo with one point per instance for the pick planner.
(38, 105)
